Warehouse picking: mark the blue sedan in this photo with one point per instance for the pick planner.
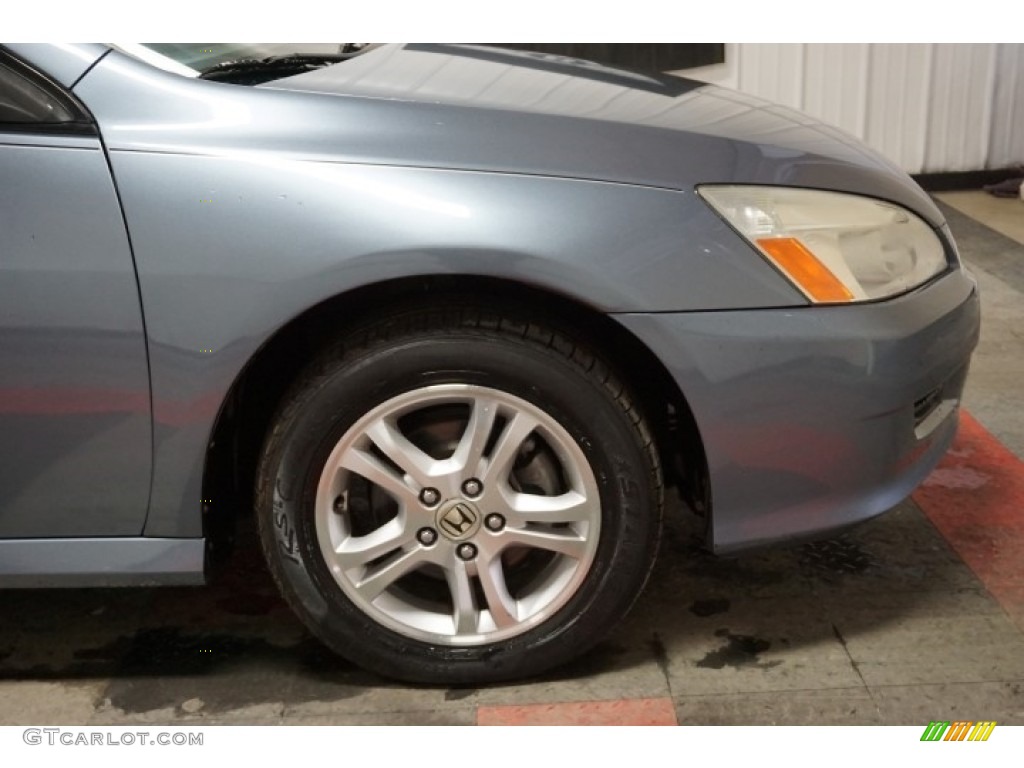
(448, 322)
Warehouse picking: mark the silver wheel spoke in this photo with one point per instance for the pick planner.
(474, 439)
(570, 507)
(516, 430)
(380, 577)
(464, 614)
(397, 447)
(359, 550)
(373, 469)
(499, 602)
(564, 542)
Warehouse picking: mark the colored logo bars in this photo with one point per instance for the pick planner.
(960, 730)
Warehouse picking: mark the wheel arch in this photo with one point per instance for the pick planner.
(247, 410)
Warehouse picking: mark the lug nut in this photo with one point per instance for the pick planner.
(472, 487)
(466, 551)
(426, 536)
(494, 522)
(430, 496)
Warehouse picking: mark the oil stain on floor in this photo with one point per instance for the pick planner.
(739, 651)
(160, 668)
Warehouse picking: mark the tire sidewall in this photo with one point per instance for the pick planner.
(318, 416)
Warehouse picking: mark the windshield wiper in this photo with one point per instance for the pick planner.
(256, 71)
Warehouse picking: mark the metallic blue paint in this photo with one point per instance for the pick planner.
(75, 447)
(807, 415)
(101, 562)
(65, 62)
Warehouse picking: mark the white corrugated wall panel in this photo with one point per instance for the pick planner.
(897, 102)
(1007, 136)
(836, 84)
(774, 72)
(960, 109)
(927, 107)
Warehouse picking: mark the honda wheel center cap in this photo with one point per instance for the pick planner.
(458, 520)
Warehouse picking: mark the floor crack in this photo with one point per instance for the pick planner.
(856, 668)
(661, 659)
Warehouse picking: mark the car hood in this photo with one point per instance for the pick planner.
(586, 120)
(472, 108)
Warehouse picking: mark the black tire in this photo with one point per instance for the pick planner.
(535, 367)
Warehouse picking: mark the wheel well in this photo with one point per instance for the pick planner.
(247, 411)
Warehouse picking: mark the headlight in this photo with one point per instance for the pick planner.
(834, 247)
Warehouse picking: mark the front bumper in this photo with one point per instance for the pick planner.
(814, 418)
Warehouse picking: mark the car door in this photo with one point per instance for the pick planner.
(75, 432)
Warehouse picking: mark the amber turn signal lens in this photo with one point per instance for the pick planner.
(804, 269)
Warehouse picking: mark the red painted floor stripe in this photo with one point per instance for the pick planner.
(975, 497)
(623, 712)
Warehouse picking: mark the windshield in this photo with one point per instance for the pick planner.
(191, 59)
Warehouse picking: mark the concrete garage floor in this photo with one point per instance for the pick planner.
(915, 616)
